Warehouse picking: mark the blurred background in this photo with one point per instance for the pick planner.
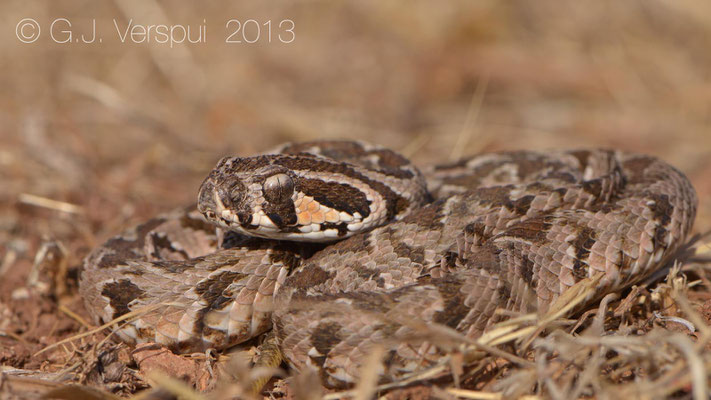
(97, 136)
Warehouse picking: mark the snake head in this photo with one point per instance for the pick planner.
(296, 197)
(249, 195)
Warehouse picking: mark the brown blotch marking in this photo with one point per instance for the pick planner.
(584, 242)
(582, 156)
(659, 235)
(176, 267)
(389, 158)
(148, 226)
(212, 335)
(367, 274)
(135, 271)
(126, 249)
(372, 302)
(388, 231)
(324, 338)
(120, 293)
(522, 205)
(468, 181)
(416, 254)
(487, 259)
(561, 192)
(212, 289)
(354, 244)
(503, 292)
(391, 163)
(500, 196)
(461, 163)
(625, 260)
(562, 176)
(109, 260)
(450, 259)
(526, 270)
(582, 245)
(455, 309)
(287, 258)
(493, 196)
(339, 196)
(428, 217)
(635, 168)
(580, 270)
(310, 275)
(162, 242)
(399, 206)
(212, 292)
(605, 207)
(594, 187)
(662, 208)
(185, 346)
(146, 332)
(534, 230)
(538, 187)
(476, 233)
(528, 166)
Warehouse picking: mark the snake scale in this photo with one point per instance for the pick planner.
(339, 246)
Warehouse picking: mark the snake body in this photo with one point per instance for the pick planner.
(339, 246)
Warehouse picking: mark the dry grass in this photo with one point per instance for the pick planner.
(97, 137)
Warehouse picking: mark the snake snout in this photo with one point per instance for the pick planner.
(206, 199)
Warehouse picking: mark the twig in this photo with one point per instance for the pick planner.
(39, 201)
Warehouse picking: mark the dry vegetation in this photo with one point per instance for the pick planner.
(96, 137)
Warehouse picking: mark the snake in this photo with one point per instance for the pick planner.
(339, 247)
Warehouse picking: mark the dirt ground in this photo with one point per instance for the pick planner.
(96, 137)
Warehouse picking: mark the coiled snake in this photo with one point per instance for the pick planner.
(338, 244)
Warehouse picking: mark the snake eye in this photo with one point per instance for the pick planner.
(278, 187)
